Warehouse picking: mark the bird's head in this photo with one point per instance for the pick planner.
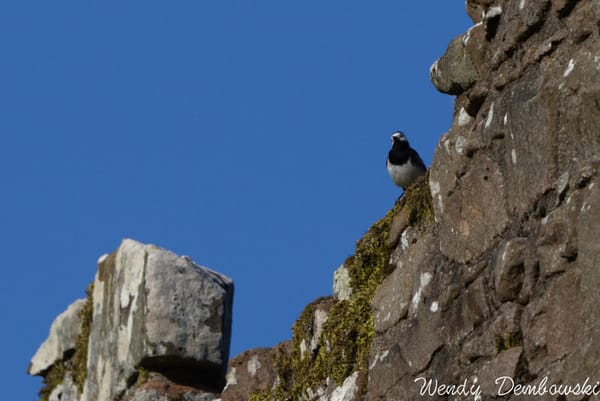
(398, 137)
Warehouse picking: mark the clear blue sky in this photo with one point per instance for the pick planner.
(249, 135)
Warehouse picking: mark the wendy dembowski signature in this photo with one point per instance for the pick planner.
(505, 385)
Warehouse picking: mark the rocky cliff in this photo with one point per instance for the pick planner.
(481, 282)
(497, 278)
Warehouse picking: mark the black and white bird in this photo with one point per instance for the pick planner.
(403, 162)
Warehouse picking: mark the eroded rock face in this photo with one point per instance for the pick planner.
(504, 282)
(515, 188)
(251, 371)
(153, 312)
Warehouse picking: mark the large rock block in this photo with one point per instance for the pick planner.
(154, 325)
(505, 282)
(156, 310)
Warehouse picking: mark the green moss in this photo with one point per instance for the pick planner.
(53, 378)
(79, 361)
(346, 339)
(142, 375)
(76, 363)
(262, 396)
(508, 340)
(418, 202)
(296, 371)
(347, 335)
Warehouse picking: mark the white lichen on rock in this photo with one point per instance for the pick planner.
(569, 68)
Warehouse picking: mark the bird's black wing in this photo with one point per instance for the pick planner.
(416, 159)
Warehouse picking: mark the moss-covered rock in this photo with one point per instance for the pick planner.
(74, 362)
(79, 362)
(54, 376)
(508, 340)
(346, 337)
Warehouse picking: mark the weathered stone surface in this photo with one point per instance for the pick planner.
(155, 395)
(520, 20)
(312, 335)
(469, 310)
(509, 272)
(557, 242)
(156, 387)
(342, 288)
(387, 367)
(63, 334)
(505, 325)
(66, 391)
(553, 325)
(476, 46)
(399, 223)
(472, 214)
(403, 290)
(476, 9)
(254, 372)
(503, 365)
(188, 312)
(393, 296)
(419, 340)
(516, 200)
(454, 72)
(586, 357)
(522, 112)
(250, 372)
(155, 309)
(348, 391)
(563, 7)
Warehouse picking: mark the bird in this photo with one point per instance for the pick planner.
(403, 162)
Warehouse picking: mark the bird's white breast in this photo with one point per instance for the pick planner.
(403, 175)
